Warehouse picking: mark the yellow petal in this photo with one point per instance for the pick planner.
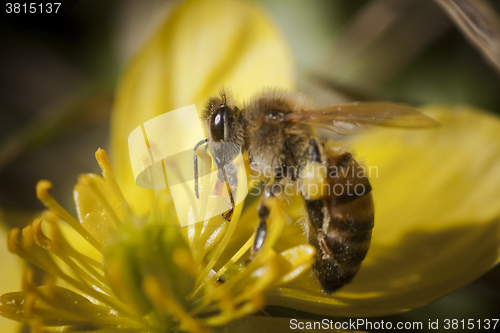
(437, 217)
(12, 281)
(204, 44)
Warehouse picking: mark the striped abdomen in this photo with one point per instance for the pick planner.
(341, 221)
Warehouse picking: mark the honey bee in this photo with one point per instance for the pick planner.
(277, 130)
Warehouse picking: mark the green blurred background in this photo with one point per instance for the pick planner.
(57, 78)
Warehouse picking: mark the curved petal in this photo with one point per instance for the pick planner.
(8, 282)
(204, 44)
(437, 218)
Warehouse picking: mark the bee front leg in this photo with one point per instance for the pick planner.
(229, 174)
(195, 160)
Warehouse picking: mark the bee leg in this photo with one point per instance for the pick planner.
(261, 231)
(322, 243)
(227, 216)
(319, 220)
(260, 235)
(315, 152)
(279, 173)
(195, 160)
(230, 177)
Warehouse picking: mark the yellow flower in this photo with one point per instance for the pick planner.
(142, 272)
(148, 279)
(437, 208)
(435, 196)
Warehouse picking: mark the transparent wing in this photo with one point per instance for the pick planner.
(346, 118)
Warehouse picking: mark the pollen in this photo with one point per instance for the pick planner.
(313, 180)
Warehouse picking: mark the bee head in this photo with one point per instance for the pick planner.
(223, 120)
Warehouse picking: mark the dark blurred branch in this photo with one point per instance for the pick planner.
(83, 107)
(418, 29)
(385, 37)
(355, 93)
(479, 22)
(372, 22)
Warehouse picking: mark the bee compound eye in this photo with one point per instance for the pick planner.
(217, 123)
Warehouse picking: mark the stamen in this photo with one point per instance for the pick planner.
(247, 308)
(58, 237)
(148, 174)
(29, 251)
(231, 286)
(51, 305)
(277, 221)
(89, 181)
(184, 260)
(248, 244)
(197, 239)
(36, 326)
(93, 215)
(109, 175)
(218, 252)
(12, 244)
(28, 280)
(267, 275)
(57, 250)
(166, 301)
(29, 304)
(42, 192)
